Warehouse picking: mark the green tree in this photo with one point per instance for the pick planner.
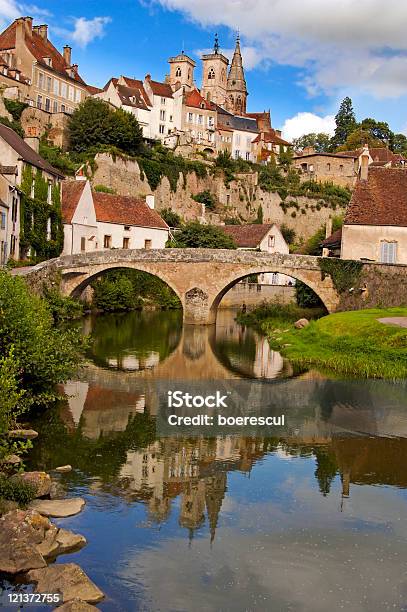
(115, 293)
(285, 157)
(345, 123)
(45, 355)
(171, 217)
(306, 297)
(206, 198)
(127, 134)
(91, 125)
(313, 244)
(321, 142)
(288, 233)
(195, 235)
(400, 144)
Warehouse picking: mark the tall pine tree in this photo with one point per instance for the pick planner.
(345, 123)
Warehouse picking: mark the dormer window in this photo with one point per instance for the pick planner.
(202, 105)
(48, 61)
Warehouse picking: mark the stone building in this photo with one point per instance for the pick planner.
(199, 120)
(268, 144)
(375, 227)
(214, 75)
(41, 75)
(236, 89)
(339, 168)
(95, 221)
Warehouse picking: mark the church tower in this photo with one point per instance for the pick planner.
(236, 95)
(181, 71)
(214, 78)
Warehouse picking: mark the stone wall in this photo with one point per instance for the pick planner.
(241, 199)
(36, 122)
(253, 294)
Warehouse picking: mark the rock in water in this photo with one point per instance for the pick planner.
(76, 605)
(21, 531)
(62, 469)
(41, 481)
(301, 323)
(68, 579)
(58, 508)
(68, 540)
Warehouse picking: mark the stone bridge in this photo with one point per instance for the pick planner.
(201, 277)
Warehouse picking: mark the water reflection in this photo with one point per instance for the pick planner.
(311, 519)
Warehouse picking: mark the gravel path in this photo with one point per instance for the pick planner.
(400, 321)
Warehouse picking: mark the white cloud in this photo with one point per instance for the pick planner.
(86, 30)
(306, 123)
(338, 43)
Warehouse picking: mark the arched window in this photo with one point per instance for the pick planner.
(178, 72)
(189, 73)
(211, 73)
(223, 75)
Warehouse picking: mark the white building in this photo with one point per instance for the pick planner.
(257, 237)
(166, 108)
(95, 221)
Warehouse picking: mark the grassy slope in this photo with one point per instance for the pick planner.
(352, 343)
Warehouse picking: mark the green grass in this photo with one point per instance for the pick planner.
(350, 343)
(277, 315)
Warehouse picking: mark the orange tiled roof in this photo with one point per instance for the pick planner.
(381, 200)
(126, 210)
(160, 89)
(194, 98)
(71, 194)
(247, 236)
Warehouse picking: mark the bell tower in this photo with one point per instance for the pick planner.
(214, 77)
(236, 95)
(182, 71)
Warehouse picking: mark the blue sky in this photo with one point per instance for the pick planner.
(301, 58)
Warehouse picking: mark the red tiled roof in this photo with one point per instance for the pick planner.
(138, 85)
(273, 137)
(334, 239)
(126, 210)
(381, 200)
(40, 49)
(247, 236)
(160, 89)
(71, 194)
(93, 90)
(194, 98)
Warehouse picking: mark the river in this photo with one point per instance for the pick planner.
(312, 518)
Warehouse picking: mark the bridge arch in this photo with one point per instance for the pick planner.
(298, 275)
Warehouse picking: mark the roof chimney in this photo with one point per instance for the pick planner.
(43, 31)
(67, 54)
(20, 30)
(28, 24)
(364, 163)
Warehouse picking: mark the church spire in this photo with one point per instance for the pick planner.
(236, 85)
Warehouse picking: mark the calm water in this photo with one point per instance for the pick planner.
(313, 519)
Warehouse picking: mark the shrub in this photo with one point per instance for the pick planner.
(16, 489)
(115, 295)
(103, 189)
(288, 233)
(306, 297)
(170, 217)
(206, 198)
(62, 308)
(195, 235)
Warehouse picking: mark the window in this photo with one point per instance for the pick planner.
(14, 209)
(147, 243)
(341, 169)
(211, 73)
(178, 71)
(274, 278)
(63, 90)
(237, 139)
(49, 198)
(328, 167)
(39, 101)
(388, 252)
(47, 104)
(237, 154)
(248, 142)
(127, 228)
(55, 107)
(200, 119)
(272, 241)
(190, 117)
(83, 244)
(247, 156)
(49, 83)
(3, 221)
(56, 87)
(170, 118)
(211, 121)
(77, 95)
(126, 242)
(161, 129)
(163, 100)
(62, 108)
(107, 242)
(40, 80)
(71, 93)
(13, 245)
(162, 115)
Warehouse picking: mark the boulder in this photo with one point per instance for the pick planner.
(57, 491)
(58, 508)
(68, 579)
(60, 541)
(23, 434)
(12, 460)
(41, 481)
(21, 531)
(76, 605)
(301, 323)
(62, 469)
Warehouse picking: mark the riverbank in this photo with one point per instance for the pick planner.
(352, 343)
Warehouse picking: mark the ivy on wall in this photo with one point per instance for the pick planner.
(344, 273)
(38, 216)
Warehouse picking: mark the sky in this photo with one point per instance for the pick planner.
(301, 57)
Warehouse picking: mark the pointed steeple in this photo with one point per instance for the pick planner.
(236, 85)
